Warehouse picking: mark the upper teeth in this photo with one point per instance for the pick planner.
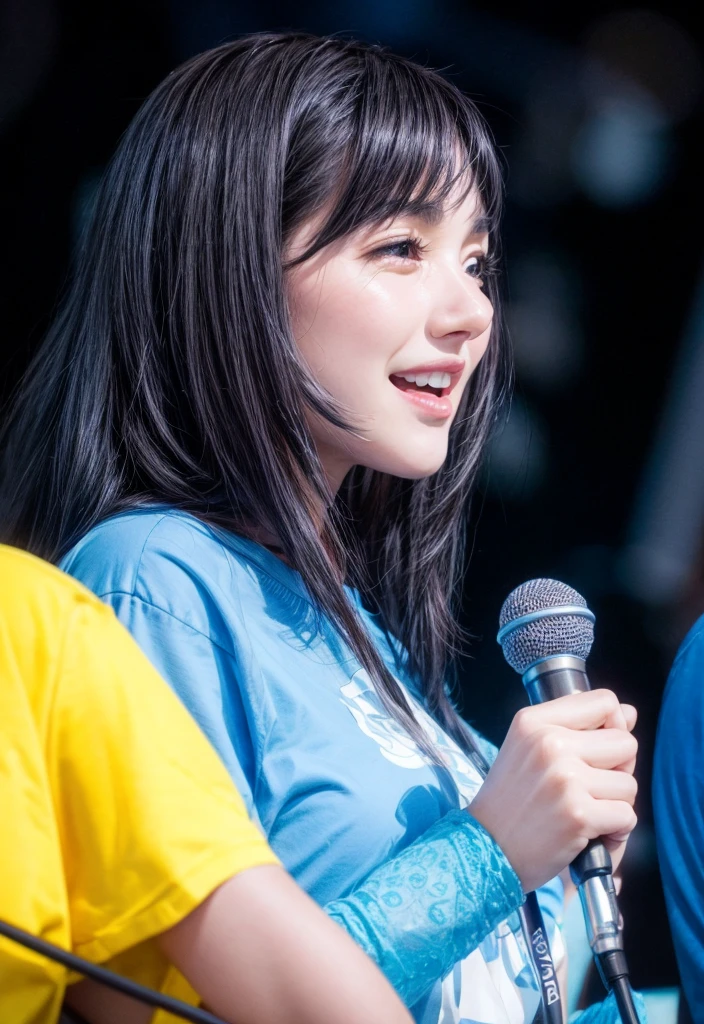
(435, 380)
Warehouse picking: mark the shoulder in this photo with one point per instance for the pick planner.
(23, 574)
(690, 655)
(34, 592)
(47, 620)
(168, 570)
(165, 558)
(111, 556)
(684, 691)
(678, 777)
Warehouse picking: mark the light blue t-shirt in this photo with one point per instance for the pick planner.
(336, 784)
(678, 799)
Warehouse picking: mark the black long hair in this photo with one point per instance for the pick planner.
(171, 374)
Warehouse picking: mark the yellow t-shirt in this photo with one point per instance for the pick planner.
(116, 816)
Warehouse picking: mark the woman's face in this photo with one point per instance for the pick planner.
(392, 320)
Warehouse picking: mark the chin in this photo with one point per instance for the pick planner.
(412, 465)
(418, 472)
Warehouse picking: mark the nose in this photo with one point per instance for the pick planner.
(460, 311)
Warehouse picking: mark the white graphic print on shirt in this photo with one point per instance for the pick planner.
(496, 983)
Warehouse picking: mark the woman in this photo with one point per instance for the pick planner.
(261, 413)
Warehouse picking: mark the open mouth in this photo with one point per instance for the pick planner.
(438, 383)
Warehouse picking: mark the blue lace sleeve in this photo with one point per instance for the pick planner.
(606, 1012)
(423, 911)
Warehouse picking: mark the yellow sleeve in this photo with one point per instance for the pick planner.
(149, 820)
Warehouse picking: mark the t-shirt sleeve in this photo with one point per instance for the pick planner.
(149, 821)
(678, 799)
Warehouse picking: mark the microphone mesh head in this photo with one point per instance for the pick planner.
(549, 636)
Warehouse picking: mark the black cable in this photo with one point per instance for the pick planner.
(109, 978)
(614, 973)
(623, 994)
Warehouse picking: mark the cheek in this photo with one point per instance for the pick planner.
(347, 327)
(478, 346)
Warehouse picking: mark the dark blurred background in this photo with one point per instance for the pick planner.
(597, 476)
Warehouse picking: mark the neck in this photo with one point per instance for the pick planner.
(335, 466)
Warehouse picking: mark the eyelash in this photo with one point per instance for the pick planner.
(487, 264)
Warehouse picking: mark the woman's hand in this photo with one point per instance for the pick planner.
(563, 776)
(617, 847)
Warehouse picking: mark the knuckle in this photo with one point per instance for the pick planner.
(628, 819)
(578, 817)
(569, 794)
(560, 787)
(566, 775)
(523, 722)
(609, 698)
(628, 759)
(550, 745)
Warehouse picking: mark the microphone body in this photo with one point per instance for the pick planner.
(546, 635)
(591, 870)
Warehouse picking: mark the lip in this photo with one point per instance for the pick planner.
(453, 366)
(437, 407)
(430, 405)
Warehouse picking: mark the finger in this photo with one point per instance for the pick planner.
(628, 766)
(608, 785)
(617, 851)
(616, 844)
(590, 709)
(611, 818)
(616, 719)
(603, 748)
(631, 715)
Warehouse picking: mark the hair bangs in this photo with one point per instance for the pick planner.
(414, 145)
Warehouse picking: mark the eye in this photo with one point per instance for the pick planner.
(476, 266)
(481, 267)
(404, 249)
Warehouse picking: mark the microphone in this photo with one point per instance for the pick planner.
(546, 633)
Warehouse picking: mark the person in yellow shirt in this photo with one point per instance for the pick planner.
(124, 841)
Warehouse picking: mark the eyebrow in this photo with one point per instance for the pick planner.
(433, 213)
(483, 225)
